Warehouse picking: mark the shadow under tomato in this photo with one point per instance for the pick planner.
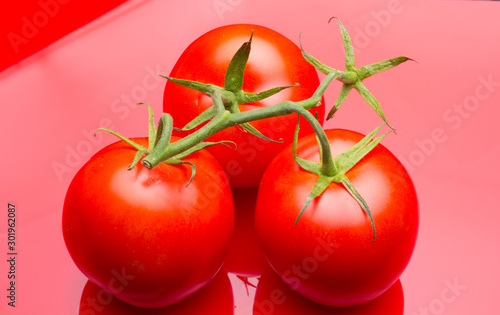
(214, 299)
(275, 297)
(245, 257)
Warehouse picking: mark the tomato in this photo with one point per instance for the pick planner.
(274, 61)
(330, 256)
(245, 256)
(273, 296)
(141, 234)
(216, 298)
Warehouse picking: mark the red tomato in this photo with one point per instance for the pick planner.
(330, 256)
(142, 235)
(216, 298)
(273, 296)
(274, 61)
(245, 257)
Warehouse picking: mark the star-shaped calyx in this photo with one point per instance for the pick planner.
(352, 78)
(333, 169)
(159, 138)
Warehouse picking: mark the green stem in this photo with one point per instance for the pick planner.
(159, 154)
(328, 167)
(224, 119)
(286, 108)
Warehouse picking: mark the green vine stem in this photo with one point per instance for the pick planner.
(224, 119)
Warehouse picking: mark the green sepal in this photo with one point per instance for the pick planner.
(320, 186)
(233, 81)
(370, 99)
(355, 194)
(315, 62)
(374, 68)
(141, 151)
(252, 130)
(346, 160)
(198, 86)
(179, 162)
(137, 158)
(245, 97)
(368, 71)
(348, 48)
(199, 120)
(309, 166)
(344, 92)
(151, 127)
(127, 140)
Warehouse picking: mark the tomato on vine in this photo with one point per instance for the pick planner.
(274, 61)
(345, 238)
(151, 238)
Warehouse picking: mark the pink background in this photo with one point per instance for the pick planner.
(445, 108)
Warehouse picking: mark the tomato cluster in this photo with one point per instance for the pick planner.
(158, 237)
(143, 235)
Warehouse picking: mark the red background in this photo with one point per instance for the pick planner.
(28, 26)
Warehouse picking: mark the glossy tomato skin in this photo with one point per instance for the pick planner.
(141, 234)
(329, 256)
(274, 61)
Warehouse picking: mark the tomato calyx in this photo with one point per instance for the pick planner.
(232, 93)
(342, 164)
(160, 138)
(353, 77)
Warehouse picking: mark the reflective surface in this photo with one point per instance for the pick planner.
(215, 298)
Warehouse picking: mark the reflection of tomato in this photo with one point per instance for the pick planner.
(214, 299)
(142, 234)
(274, 61)
(245, 256)
(275, 297)
(330, 256)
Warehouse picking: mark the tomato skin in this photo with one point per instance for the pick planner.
(141, 234)
(216, 298)
(329, 256)
(273, 296)
(274, 61)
